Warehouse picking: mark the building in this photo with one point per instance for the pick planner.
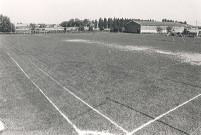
(22, 28)
(48, 30)
(152, 26)
(72, 29)
(194, 32)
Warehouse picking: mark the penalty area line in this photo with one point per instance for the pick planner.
(160, 116)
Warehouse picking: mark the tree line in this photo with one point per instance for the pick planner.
(166, 20)
(6, 25)
(111, 24)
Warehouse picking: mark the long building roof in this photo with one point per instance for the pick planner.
(155, 23)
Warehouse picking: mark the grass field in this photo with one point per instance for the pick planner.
(100, 84)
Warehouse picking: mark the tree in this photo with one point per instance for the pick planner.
(70, 23)
(118, 22)
(6, 25)
(90, 28)
(77, 22)
(105, 23)
(95, 24)
(121, 27)
(114, 26)
(92, 22)
(109, 23)
(185, 32)
(32, 26)
(64, 24)
(101, 24)
(159, 29)
(42, 25)
(122, 23)
(86, 22)
(166, 20)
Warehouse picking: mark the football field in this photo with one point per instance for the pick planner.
(100, 84)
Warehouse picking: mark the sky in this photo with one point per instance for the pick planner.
(56, 11)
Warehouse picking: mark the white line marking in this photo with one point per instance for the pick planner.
(2, 127)
(82, 100)
(95, 132)
(87, 132)
(76, 129)
(151, 121)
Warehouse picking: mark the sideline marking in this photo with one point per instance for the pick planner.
(76, 129)
(160, 116)
(148, 123)
(80, 132)
(82, 100)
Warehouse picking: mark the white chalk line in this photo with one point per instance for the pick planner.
(77, 130)
(145, 49)
(94, 132)
(82, 100)
(171, 110)
(2, 126)
(88, 132)
(80, 132)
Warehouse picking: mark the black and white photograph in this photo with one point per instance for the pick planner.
(100, 67)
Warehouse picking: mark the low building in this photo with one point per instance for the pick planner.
(194, 32)
(72, 29)
(22, 28)
(48, 30)
(152, 26)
